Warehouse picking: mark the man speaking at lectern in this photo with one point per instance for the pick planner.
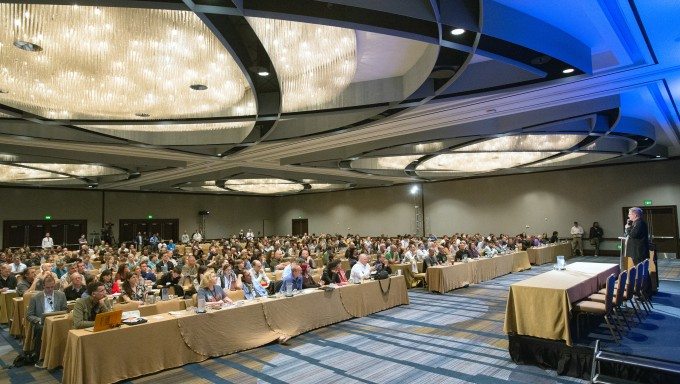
(637, 246)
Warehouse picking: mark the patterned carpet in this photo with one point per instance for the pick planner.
(452, 338)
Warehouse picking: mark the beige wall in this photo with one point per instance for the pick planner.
(551, 200)
(368, 211)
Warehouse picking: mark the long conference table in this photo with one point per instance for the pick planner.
(448, 277)
(548, 253)
(540, 306)
(172, 340)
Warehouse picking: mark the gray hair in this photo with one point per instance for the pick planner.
(636, 210)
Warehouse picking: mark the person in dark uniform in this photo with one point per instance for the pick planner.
(637, 246)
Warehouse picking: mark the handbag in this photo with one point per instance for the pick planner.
(382, 288)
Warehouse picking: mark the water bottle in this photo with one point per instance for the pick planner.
(289, 288)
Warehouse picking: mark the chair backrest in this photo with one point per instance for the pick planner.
(278, 274)
(645, 275)
(609, 295)
(623, 278)
(630, 287)
(640, 275)
(236, 295)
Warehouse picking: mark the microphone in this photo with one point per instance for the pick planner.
(630, 222)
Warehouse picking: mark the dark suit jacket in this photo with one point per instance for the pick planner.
(637, 246)
(36, 308)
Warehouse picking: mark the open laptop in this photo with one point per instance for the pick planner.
(107, 320)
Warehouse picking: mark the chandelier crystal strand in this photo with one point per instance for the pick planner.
(116, 63)
(314, 63)
(481, 161)
(79, 170)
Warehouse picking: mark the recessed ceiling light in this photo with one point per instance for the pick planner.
(263, 73)
(198, 87)
(457, 31)
(142, 114)
(27, 46)
(568, 70)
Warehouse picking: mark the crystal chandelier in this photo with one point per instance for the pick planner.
(77, 170)
(481, 161)
(15, 174)
(529, 142)
(583, 158)
(387, 162)
(171, 127)
(314, 63)
(263, 186)
(83, 62)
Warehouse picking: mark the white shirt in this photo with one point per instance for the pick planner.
(197, 236)
(259, 277)
(360, 272)
(577, 231)
(18, 268)
(250, 235)
(420, 254)
(49, 303)
(47, 242)
(185, 238)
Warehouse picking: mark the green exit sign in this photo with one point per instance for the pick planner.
(150, 216)
(48, 217)
(648, 202)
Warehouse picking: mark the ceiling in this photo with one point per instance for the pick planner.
(284, 97)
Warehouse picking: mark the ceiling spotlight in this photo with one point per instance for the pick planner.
(414, 189)
(142, 114)
(658, 156)
(568, 70)
(457, 31)
(27, 46)
(198, 87)
(263, 73)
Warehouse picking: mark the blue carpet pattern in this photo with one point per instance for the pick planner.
(456, 337)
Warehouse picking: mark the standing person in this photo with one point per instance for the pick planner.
(596, 234)
(577, 238)
(185, 238)
(637, 245)
(47, 242)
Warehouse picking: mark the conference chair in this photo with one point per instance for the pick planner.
(619, 289)
(639, 296)
(629, 292)
(236, 295)
(596, 308)
(646, 283)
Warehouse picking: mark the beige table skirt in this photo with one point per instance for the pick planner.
(446, 278)
(543, 255)
(16, 329)
(541, 305)
(167, 342)
(6, 306)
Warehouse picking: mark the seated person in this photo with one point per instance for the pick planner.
(429, 260)
(442, 257)
(132, 291)
(210, 291)
(361, 270)
(7, 280)
(251, 289)
(190, 269)
(146, 272)
(227, 279)
(258, 274)
(307, 279)
(27, 283)
(172, 279)
(76, 289)
(106, 277)
(87, 308)
(329, 274)
(382, 264)
(295, 279)
(47, 301)
(166, 264)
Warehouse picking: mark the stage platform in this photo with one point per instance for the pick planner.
(656, 338)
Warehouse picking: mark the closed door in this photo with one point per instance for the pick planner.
(14, 235)
(300, 227)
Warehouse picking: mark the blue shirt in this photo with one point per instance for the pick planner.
(170, 247)
(217, 294)
(297, 283)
